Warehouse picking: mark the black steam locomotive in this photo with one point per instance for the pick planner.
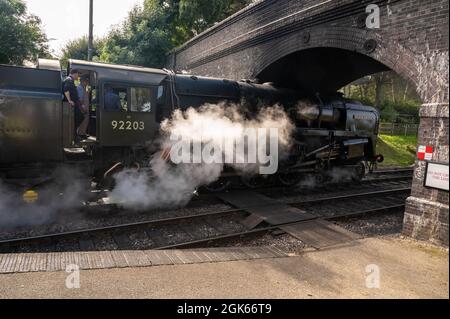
(37, 133)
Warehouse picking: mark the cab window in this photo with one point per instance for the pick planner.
(141, 99)
(120, 98)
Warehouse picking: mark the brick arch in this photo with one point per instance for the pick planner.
(426, 213)
(388, 53)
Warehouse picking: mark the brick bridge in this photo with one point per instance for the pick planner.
(323, 45)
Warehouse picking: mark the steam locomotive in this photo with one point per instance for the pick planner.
(37, 127)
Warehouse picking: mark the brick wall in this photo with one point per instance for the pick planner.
(411, 23)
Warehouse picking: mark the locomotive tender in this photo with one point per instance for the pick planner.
(37, 133)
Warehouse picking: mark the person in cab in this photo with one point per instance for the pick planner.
(71, 96)
(112, 100)
(84, 106)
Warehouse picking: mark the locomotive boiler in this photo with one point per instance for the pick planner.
(37, 133)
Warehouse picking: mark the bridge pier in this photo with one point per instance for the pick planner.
(427, 210)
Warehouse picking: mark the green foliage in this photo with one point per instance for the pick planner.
(142, 39)
(389, 113)
(196, 16)
(397, 150)
(150, 32)
(388, 92)
(21, 36)
(400, 112)
(78, 49)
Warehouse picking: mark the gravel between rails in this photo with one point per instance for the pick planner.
(72, 221)
(380, 224)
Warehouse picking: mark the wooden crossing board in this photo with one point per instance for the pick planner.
(265, 208)
(320, 233)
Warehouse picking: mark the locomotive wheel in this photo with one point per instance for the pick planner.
(218, 186)
(289, 179)
(359, 172)
(253, 181)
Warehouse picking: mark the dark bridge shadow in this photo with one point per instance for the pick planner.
(323, 70)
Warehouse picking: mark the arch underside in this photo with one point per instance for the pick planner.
(331, 59)
(320, 70)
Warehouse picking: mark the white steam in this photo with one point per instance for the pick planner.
(168, 184)
(65, 191)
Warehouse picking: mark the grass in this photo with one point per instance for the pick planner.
(397, 150)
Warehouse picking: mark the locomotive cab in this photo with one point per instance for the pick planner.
(124, 102)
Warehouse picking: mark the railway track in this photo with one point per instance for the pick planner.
(369, 184)
(380, 179)
(377, 179)
(394, 170)
(263, 230)
(220, 225)
(375, 176)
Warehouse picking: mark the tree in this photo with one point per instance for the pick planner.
(143, 39)
(151, 31)
(188, 18)
(21, 36)
(379, 82)
(389, 93)
(198, 15)
(78, 49)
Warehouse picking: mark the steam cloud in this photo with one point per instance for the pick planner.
(56, 198)
(167, 184)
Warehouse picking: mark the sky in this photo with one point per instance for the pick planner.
(64, 20)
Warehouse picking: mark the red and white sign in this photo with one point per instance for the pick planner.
(425, 153)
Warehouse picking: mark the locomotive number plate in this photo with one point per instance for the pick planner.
(128, 125)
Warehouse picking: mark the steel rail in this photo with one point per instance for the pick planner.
(120, 226)
(370, 179)
(394, 170)
(270, 228)
(302, 188)
(338, 197)
(192, 217)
